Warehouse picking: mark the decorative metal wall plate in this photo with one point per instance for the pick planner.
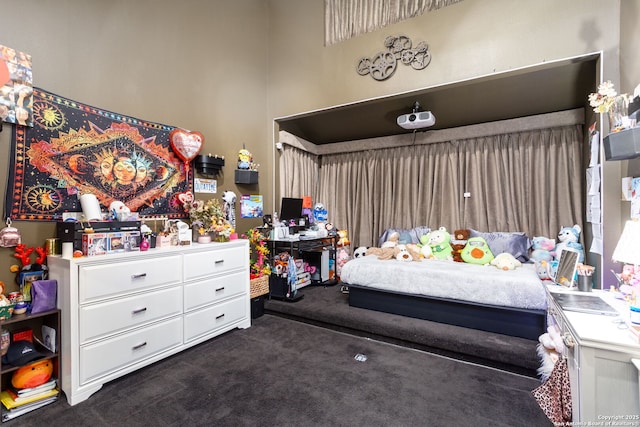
(399, 48)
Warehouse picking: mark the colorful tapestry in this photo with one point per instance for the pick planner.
(75, 149)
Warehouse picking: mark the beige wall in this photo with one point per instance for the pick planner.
(195, 64)
(227, 68)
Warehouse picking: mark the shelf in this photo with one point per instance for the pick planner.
(245, 176)
(622, 145)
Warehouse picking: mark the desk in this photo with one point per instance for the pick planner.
(600, 354)
(319, 252)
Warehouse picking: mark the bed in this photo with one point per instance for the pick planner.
(475, 296)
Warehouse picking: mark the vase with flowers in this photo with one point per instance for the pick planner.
(259, 268)
(609, 102)
(208, 218)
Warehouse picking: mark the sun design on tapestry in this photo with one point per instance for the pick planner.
(114, 164)
(48, 116)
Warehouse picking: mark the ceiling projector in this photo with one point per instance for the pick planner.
(416, 120)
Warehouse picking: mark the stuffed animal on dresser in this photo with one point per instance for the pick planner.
(568, 238)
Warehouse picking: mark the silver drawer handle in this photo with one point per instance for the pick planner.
(138, 276)
(220, 289)
(139, 346)
(568, 340)
(220, 261)
(139, 310)
(220, 316)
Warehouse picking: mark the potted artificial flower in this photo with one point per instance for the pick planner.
(607, 100)
(208, 219)
(260, 269)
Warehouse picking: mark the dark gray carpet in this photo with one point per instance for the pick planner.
(281, 372)
(328, 307)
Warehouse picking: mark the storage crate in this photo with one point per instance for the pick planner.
(259, 286)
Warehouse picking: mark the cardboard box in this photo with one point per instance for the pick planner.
(95, 244)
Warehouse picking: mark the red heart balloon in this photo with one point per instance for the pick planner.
(186, 144)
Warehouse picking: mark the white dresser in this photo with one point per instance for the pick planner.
(123, 311)
(600, 355)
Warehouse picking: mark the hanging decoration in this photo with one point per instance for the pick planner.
(75, 149)
(399, 48)
(186, 145)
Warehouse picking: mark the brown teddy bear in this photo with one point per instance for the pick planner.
(461, 234)
(457, 251)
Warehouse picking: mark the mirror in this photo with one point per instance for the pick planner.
(566, 272)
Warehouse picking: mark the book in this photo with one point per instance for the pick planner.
(42, 387)
(49, 338)
(10, 403)
(20, 410)
(22, 395)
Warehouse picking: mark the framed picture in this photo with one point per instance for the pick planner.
(26, 278)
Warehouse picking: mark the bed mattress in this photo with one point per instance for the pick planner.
(519, 288)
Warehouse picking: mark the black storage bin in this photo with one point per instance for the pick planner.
(257, 307)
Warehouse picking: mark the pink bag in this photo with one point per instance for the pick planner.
(9, 236)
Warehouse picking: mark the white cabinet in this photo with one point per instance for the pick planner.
(604, 380)
(123, 311)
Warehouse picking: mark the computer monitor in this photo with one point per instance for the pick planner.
(290, 208)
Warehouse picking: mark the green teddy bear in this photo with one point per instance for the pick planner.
(440, 243)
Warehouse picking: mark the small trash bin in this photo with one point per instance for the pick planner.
(257, 306)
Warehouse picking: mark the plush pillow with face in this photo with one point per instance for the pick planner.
(477, 251)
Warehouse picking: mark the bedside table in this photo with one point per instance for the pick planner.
(601, 353)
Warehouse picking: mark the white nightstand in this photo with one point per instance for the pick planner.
(601, 355)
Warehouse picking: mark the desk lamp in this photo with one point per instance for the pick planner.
(627, 250)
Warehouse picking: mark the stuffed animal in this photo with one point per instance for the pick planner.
(343, 238)
(360, 251)
(342, 257)
(383, 253)
(457, 251)
(545, 272)
(440, 242)
(477, 251)
(541, 248)
(461, 234)
(392, 240)
(505, 261)
(568, 238)
(422, 252)
(403, 254)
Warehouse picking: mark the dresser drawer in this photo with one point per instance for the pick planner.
(113, 316)
(207, 291)
(201, 264)
(106, 280)
(104, 357)
(207, 320)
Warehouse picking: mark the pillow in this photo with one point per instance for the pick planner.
(517, 244)
(411, 235)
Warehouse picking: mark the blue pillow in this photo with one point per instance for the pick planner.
(517, 244)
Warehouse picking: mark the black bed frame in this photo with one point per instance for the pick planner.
(515, 322)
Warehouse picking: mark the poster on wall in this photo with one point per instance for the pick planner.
(75, 149)
(251, 206)
(635, 198)
(16, 87)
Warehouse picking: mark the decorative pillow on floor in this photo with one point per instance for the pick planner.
(515, 243)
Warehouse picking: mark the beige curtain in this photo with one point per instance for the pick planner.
(528, 181)
(298, 173)
(349, 18)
